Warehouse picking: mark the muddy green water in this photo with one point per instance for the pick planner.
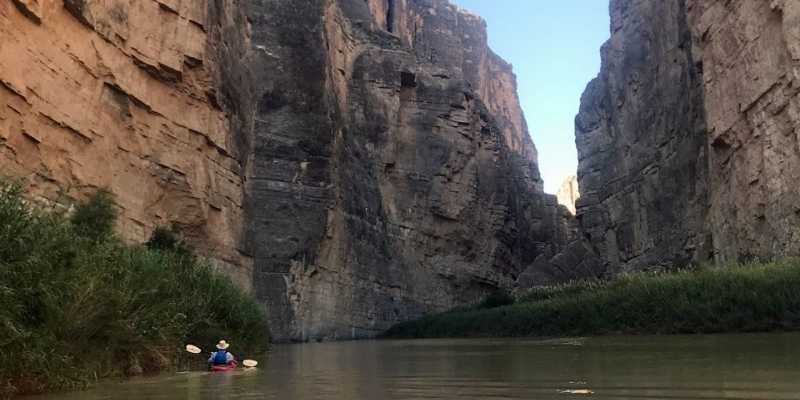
(673, 367)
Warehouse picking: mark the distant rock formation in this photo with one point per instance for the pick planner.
(569, 193)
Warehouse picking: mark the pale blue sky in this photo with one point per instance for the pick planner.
(554, 46)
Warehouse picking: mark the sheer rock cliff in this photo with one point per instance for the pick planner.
(641, 142)
(393, 173)
(688, 138)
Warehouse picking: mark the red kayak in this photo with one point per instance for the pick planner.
(224, 367)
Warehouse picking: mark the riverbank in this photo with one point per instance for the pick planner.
(77, 304)
(741, 298)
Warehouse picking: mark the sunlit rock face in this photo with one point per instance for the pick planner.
(354, 163)
(569, 193)
(688, 138)
(122, 94)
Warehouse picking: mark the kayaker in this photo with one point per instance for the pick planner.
(221, 356)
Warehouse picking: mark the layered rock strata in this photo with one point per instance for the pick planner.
(122, 94)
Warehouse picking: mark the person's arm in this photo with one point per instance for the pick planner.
(230, 357)
(211, 359)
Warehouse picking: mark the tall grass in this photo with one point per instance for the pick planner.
(740, 298)
(76, 304)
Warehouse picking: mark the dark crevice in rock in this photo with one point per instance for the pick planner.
(390, 11)
(78, 10)
(408, 79)
(26, 9)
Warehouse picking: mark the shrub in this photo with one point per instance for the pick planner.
(739, 298)
(497, 299)
(94, 218)
(76, 304)
(167, 239)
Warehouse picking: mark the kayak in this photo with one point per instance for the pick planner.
(224, 367)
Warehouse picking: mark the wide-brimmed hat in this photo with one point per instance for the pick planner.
(222, 345)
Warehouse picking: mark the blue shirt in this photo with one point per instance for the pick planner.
(228, 357)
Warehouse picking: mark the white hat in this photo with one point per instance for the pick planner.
(222, 345)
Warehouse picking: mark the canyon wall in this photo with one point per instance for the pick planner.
(353, 163)
(688, 138)
(393, 174)
(357, 163)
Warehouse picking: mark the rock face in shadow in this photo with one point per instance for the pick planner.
(688, 137)
(641, 141)
(392, 171)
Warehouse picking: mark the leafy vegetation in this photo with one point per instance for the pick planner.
(94, 219)
(740, 298)
(77, 304)
(166, 239)
(497, 299)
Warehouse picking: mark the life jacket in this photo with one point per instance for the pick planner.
(220, 357)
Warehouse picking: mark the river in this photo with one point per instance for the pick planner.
(640, 367)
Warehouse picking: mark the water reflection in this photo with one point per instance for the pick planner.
(694, 367)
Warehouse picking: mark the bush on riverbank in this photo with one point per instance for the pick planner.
(77, 304)
(744, 298)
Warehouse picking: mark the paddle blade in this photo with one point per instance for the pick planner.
(193, 349)
(250, 363)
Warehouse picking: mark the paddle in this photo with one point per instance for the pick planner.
(250, 363)
(193, 349)
(196, 350)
